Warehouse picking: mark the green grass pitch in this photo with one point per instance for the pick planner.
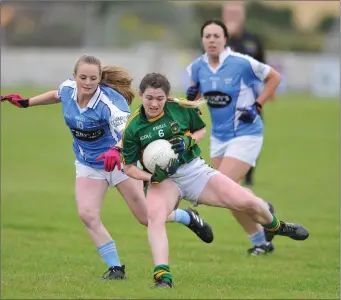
(47, 254)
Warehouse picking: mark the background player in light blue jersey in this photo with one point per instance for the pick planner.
(227, 80)
(95, 108)
(243, 41)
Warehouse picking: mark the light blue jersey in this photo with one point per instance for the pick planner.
(96, 127)
(230, 86)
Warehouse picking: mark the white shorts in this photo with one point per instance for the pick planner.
(245, 148)
(192, 178)
(113, 178)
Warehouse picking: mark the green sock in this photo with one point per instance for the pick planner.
(274, 225)
(145, 187)
(163, 271)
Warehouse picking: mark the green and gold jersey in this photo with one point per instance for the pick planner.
(174, 120)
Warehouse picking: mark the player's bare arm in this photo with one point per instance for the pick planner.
(271, 83)
(199, 134)
(47, 98)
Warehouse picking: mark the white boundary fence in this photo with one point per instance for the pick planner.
(301, 72)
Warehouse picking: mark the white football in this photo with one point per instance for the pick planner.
(158, 152)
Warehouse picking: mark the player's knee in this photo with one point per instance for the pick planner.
(155, 217)
(246, 202)
(89, 216)
(251, 205)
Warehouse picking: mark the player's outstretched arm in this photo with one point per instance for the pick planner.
(50, 97)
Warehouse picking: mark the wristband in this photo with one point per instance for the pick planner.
(258, 106)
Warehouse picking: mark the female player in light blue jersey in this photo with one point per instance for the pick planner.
(227, 80)
(95, 108)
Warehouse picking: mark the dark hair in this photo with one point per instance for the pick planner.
(216, 22)
(155, 81)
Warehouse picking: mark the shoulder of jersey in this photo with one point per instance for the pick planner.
(195, 65)
(68, 83)
(108, 91)
(243, 60)
(199, 59)
(240, 55)
(175, 105)
(134, 117)
(114, 96)
(66, 88)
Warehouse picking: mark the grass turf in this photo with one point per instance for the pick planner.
(46, 252)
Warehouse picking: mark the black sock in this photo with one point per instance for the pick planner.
(248, 176)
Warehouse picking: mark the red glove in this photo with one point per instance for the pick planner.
(16, 100)
(111, 158)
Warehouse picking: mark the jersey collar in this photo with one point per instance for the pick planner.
(94, 99)
(222, 56)
(143, 114)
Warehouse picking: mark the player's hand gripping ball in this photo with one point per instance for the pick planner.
(182, 143)
(160, 175)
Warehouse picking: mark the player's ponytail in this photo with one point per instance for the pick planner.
(118, 79)
(185, 103)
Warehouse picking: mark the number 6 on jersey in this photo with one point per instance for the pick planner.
(161, 133)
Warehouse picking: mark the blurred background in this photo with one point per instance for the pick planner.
(45, 38)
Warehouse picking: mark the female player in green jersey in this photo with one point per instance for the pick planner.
(187, 177)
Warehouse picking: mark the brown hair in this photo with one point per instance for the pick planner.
(157, 80)
(115, 77)
(118, 79)
(90, 60)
